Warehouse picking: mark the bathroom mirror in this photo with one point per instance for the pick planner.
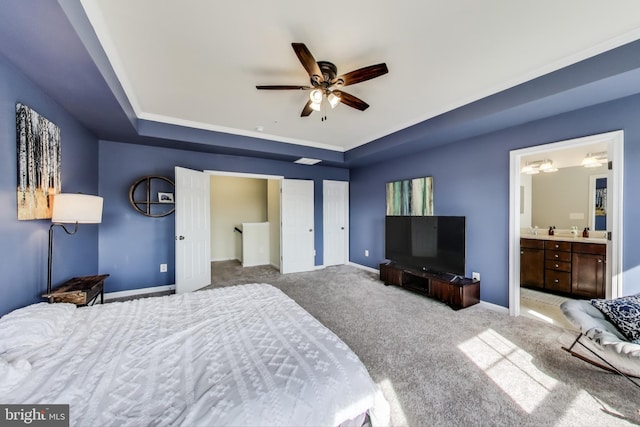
(566, 199)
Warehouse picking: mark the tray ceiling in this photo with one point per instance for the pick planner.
(196, 63)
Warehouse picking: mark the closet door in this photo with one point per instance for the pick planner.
(296, 232)
(335, 208)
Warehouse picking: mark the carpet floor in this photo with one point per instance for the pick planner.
(437, 366)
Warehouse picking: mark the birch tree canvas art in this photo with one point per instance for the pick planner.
(38, 148)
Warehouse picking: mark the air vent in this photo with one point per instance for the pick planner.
(307, 161)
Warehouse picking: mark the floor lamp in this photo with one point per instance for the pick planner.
(72, 209)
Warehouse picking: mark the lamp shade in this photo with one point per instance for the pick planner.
(80, 208)
(333, 100)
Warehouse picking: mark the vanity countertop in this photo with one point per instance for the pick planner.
(565, 238)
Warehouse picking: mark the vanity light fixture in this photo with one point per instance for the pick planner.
(594, 160)
(547, 166)
(530, 169)
(537, 166)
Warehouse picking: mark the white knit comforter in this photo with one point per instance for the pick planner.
(243, 355)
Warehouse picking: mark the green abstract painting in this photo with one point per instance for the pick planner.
(411, 197)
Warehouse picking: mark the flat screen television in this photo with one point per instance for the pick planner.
(428, 243)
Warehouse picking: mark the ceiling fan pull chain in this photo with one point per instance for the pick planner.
(324, 110)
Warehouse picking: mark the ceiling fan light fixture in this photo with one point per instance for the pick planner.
(316, 96)
(323, 76)
(333, 100)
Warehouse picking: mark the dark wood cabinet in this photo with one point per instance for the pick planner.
(558, 281)
(440, 290)
(589, 265)
(457, 293)
(570, 268)
(532, 263)
(390, 275)
(557, 266)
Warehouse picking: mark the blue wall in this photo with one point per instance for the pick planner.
(132, 246)
(23, 246)
(471, 178)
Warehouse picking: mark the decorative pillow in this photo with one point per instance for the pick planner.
(33, 325)
(623, 312)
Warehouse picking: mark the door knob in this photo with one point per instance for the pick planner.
(341, 228)
(179, 237)
(311, 229)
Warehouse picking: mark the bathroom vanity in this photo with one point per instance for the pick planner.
(571, 266)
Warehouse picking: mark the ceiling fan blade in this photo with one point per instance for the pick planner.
(351, 100)
(307, 109)
(361, 75)
(284, 87)
(308, 61)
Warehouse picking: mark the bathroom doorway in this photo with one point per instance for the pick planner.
(518, 197)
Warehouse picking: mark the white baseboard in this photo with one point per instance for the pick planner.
(364, 267)
(142, 291)
(224, 259)
(494, 307)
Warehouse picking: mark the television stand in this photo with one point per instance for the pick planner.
(457, 292)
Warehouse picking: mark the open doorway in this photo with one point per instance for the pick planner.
(279, 214)
(245, 218)
(613, 141)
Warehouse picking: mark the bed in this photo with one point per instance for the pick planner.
(242, 355)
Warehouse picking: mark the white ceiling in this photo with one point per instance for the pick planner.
(196, 62)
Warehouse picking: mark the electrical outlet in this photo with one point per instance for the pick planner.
(475, 275)
(366, 252)
(163, 268)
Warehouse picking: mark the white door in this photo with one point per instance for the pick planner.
(193, 235)
(296, 233)
(335, 208)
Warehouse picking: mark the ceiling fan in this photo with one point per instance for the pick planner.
(326, 83)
